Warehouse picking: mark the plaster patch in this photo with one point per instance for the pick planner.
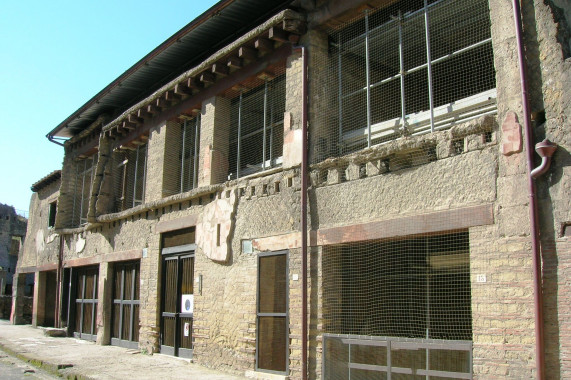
(213, 232)
(79, 244)
(40, 243)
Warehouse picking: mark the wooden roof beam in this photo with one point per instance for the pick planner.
(207, 77)
(182, 89)
(264, 45)
(220, 69)
(278, 35)
(134, 119)
(171, 97)
(248, 53)
(235, 62)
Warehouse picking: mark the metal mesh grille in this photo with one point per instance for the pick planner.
(181, 157)
(85, 171)
(399, 306)
(412, 67)
(256, 137)
(129, 172)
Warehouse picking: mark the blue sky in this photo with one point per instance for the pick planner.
(54, 57)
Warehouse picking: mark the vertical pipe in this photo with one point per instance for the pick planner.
(82, 189)
(368, 78)
(265, 121)
(271, 132)
(533, 214)
(401, 65)
(429, 65)
(74, 196)
(304, 245)
(182, 157)
(195, 161)
(239, 136)
(340, 99)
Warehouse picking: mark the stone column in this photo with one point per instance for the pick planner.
(149, 310)
(293, 117)
(214, 136)
(104, 303)
(155, 160)
(18, 291)
(39, 305)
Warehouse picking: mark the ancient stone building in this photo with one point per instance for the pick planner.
(12, 233)
(331, 189)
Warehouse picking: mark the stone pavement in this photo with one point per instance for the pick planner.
(78, 359)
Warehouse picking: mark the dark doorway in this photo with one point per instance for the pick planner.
(125, 318)
(177, 300)
(272, 313)
(50, 299)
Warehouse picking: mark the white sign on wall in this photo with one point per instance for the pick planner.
(187, 304)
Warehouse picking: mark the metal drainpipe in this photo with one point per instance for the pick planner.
(533, 215)
(59, 276)
(304, 173)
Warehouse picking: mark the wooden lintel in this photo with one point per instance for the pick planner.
(234, 62)
(239, 87)
(247, 53)
(182, 90)
(221, 69)
(277, 34)
(207, 77)
(132, 118)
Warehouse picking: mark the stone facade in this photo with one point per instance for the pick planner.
(469, 177)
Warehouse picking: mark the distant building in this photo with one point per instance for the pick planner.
(406, 239)
(12, 234)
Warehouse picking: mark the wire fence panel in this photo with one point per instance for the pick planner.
(412, 67)
(256, 134)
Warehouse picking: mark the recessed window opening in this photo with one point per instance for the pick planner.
(256, 137)
(85, 171)
(414, 292)
(130, 170)
(52, 214)
(190, 142)
(411, 68)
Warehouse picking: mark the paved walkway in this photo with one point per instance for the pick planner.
(75, 358)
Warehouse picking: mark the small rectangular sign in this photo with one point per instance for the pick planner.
(187, 304)
(186, 329)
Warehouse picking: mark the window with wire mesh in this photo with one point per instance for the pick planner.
(181, 156)
(256, 135)
(418, 287)
(129, 174)
(84, 174)
(412, 67)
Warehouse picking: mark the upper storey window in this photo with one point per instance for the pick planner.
(85, 172)
(412, 67)
(256, 136)
(129, 176)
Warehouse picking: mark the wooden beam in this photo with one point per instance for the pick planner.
(247, 53)
(143, 113)
(152, 109)
(194, 84)
(266, 75)
(171, 97)
(128, 125)
(277, 34)
(134, 119)
(207, 77)
(182, 89)
(162, 103)
(235, 62)
(221, 69)
(263, 45)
